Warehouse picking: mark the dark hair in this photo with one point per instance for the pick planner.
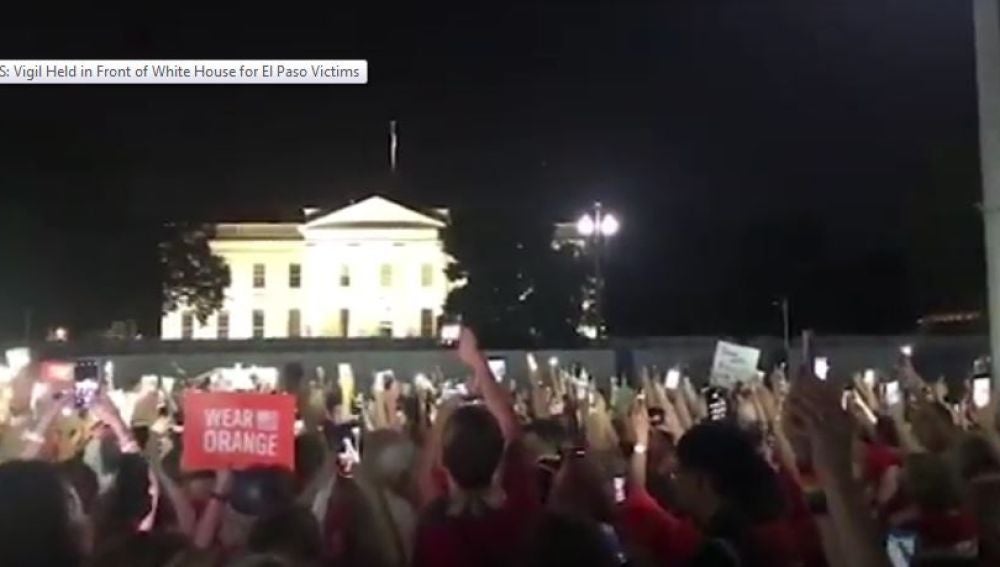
(975, 457)
(333, 398)
(35, 523)
(140, 549)
(885, 431)
(259, 491)
(473, 447)
(548, 430)
(563, 540)
(310, 453)
(292, 533)
(261, 560)
(292, 376)
(83, 479)
(737, 472)
(121, 509)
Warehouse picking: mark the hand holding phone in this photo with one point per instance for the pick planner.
(821, 367)
(716, 403)
(450, 333)
(673, 379)
(892, 393)
(498, 367)
(869, 378)
(619, 489)
(981, 391)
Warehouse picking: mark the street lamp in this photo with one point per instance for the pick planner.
(597, 226)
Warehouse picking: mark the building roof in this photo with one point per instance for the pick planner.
(257, 231)
(372, 212)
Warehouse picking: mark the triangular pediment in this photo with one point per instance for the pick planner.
(373, 211)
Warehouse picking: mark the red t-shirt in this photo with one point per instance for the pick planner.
(643, 523)
(943, 531)
(879, 459)
(464, 541)
(803, 529)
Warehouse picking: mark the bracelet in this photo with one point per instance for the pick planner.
(639, 449)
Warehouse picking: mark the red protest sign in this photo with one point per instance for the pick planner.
(54, 371)
(238, 430)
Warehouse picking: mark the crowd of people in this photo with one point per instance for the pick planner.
(550, 470)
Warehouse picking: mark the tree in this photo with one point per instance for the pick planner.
(192, 275)
(511, 285)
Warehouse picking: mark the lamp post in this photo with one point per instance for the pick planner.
(597, 226)
(986, 20)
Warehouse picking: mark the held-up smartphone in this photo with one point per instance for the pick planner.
(981, 387)
(673, 379)
(715, 401)
(498, 367)
(892, 394)
(869, 378)
(821, 367)
(450, 333)
(619, 489)
(387, 377)
(86, 380)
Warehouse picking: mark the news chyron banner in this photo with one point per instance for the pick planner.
(230, 430)
(183, 71)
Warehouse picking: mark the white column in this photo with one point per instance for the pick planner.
(987, 26)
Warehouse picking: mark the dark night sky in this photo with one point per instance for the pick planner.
(731, 136)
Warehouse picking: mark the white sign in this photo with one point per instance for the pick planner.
(733, 363)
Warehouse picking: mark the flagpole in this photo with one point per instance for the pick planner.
(393, 146)
(986, 17)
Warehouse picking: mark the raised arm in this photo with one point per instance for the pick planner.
(986, 419)
(186, 517)
(425, 485)
(208, 525)
(815, 405)
(105, 411)
(496, 398)
(34, 438)
(639, 418)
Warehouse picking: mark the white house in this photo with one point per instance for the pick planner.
(373, 268)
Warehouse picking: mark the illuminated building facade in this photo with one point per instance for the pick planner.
(374, 268)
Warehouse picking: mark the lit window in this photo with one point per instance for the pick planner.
(259, 276)
(222, 326)
(385, 275)
(187, 326)
(294, 323)
(258, 323)
(426, 323)
(295, 276)
(426, 275)
(345, 276)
